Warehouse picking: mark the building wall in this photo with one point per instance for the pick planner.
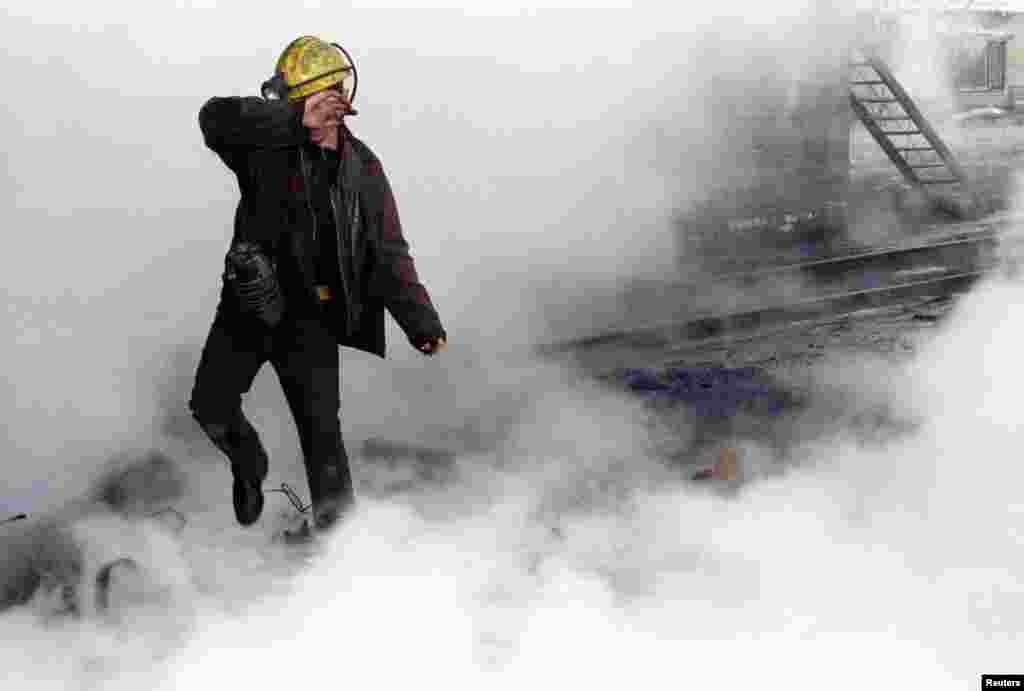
(780, 124)
(782, 135)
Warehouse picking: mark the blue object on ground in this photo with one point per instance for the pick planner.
(712, 392)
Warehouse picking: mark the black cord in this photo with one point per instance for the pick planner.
(12, 519)
(293, 497)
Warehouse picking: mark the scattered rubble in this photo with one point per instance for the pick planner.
(50, 564)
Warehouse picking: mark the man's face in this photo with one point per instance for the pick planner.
(324, 110)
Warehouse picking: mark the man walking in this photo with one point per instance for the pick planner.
(317, 257)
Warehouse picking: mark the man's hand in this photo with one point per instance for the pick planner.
(429, 345)
(325, 109)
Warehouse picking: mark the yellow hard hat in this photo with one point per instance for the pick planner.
(309, 64)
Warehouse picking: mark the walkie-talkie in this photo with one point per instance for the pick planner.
(253, 281)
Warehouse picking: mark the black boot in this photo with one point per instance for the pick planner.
(249, 464)
(330, 511)
(326, 515)
(332, 494)
(247, 496)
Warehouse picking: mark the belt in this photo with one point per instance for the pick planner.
(323, 293)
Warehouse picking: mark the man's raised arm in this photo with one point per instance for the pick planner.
(234, 123)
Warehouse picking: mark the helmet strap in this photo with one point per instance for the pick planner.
(355, 74)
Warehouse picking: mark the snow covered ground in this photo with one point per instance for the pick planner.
(563, 551)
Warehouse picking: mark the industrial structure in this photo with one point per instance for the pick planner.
(773, 238)
(789, 180)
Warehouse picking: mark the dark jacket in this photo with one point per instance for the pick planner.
(266, 145)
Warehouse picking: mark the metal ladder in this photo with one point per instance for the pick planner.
(900, 129)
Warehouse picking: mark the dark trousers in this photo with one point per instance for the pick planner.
(304, 354)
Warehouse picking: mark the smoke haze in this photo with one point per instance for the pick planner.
(537, 157)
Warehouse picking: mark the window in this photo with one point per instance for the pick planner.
(979, 64)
